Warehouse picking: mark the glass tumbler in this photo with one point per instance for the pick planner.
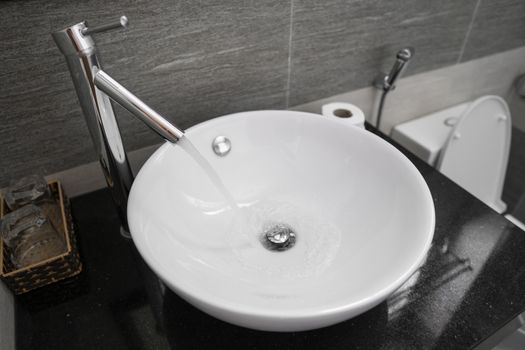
(33, 189)
(30, 236)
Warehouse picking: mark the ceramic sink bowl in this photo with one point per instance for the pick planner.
(360, 213)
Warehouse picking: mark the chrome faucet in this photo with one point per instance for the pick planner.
(93, 87)
(387, 82)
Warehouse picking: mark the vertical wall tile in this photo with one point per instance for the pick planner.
(340, 45)
(498, 26)
(191, 60)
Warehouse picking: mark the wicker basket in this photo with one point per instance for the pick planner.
(48, 271)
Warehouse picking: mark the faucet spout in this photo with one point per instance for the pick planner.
(133, 104)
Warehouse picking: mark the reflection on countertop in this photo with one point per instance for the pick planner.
(471, 284)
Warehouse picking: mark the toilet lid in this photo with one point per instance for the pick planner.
(476, 153)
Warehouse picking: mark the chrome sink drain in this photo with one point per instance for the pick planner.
(278, 237)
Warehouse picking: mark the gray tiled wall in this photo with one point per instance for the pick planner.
(193, 60)
(498, 26)
(340, 45)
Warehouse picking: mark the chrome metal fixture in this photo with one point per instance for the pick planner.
(221, 146)
(93, 87)
(278, 237)
(387, 82)
(133, 104)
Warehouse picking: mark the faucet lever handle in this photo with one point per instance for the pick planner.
(121, 23)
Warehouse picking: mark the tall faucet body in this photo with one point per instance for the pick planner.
(81, 57)
(93, 87)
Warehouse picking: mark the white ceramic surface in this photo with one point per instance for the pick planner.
(427, 136)
(477, 152)
(473, 152)
(363, 215)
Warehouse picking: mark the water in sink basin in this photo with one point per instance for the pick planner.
(317, 239)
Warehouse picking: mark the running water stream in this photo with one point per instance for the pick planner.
(194, 153)
(247, 232)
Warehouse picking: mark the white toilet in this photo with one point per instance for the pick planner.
(469, 143)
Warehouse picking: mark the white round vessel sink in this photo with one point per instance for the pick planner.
(319, 222)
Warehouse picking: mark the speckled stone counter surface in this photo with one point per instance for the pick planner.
(472, 283)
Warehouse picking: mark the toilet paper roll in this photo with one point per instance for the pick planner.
(345, 112)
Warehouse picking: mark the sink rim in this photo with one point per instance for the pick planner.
(201, 296)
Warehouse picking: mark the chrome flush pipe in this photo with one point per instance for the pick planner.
(93, 87)
(387, 82)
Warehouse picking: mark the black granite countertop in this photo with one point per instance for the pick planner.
(472, 283)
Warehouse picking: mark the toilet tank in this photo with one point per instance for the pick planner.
(426, 136)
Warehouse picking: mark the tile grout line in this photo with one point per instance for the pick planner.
(467, 35)
(287, 92)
